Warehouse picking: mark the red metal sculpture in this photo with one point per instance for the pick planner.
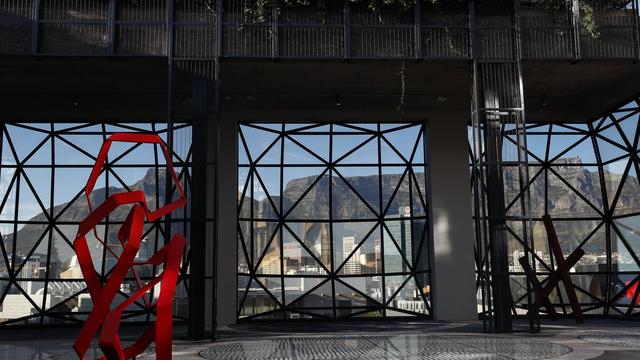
(562, 273)
(130, 237)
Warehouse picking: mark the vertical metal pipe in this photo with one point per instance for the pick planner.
(418, 31)
(346, 15)
(35, 26)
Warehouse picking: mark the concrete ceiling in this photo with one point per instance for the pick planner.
(135, 90)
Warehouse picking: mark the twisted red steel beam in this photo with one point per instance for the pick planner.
(130, 237)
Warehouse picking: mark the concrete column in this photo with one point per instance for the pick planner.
(227, 213)
(452, 256)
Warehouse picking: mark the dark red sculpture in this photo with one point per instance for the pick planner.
(130, 237)
(562, 273)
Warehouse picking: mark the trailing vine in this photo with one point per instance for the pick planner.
(256, 11)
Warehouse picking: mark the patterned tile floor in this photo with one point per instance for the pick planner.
(367, 341)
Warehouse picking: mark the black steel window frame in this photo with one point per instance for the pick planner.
(288, 131)
(53, 215)
(610, 140)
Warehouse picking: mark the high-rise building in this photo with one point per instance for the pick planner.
(400, 231)
(353, 265)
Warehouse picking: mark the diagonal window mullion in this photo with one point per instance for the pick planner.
(33, 249)
(264, 251)
(393, 240)
(365, 202)
(304, 246)
(264, 153)
(76, 147)
(354, 149)
(400, 288)
(308, 292)
(273, 204)
(44, 209)
(311, 152)
(359, 292)
(395, 192)
(301, 197)
(364, 239)
(574, 190)
(395, 150)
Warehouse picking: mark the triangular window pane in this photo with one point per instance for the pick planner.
(318, 144)
(537, 146)
(366, 154)
(613, 176)
(297, 180)
(243, 284)
(393, 260)
(243, 157)
(244, 193)
(418, 156)
(409, 298)
(33, 267)
(391, 177)
(294, 154)
(257, 301)
(267, 197)
(370, 286)
(629, 127)
(404, 140)
(297, 287)
(28, 206)
(347, 297)
(564, 202)
(314, 204)
(355, 259)
(273, 285)
(262, 205)
(266, 240)
(629, 199)
(585, 179)
(15, 296)
(26, 140)
(613, 134)
(321, 297)
(40, 179)
(343, 144)
(65, 295)
(400, 204)
(272, 155)
(257, 140)
(41, 157)
(364, 180)
(583, 152)
(420, 244)
(315, 236)
(560, 143)
(297, 260)
(609, 151)
(243, 263)
(347, 204)
(389, 155)
(622, 247)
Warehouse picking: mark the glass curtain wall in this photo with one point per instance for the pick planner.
(333, 221)
(43, 172)
(585, 176)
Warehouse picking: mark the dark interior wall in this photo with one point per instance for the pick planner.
(84, 89)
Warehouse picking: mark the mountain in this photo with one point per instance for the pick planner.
(76, 211)
(347, 205)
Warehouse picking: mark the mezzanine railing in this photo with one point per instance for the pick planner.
(344, 30)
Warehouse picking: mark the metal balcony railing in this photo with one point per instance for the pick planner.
(343, 30)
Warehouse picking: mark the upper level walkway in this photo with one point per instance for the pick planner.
(343, 30)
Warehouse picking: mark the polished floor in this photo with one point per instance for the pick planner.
(562, 340)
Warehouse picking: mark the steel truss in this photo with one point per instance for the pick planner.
(306, 188)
